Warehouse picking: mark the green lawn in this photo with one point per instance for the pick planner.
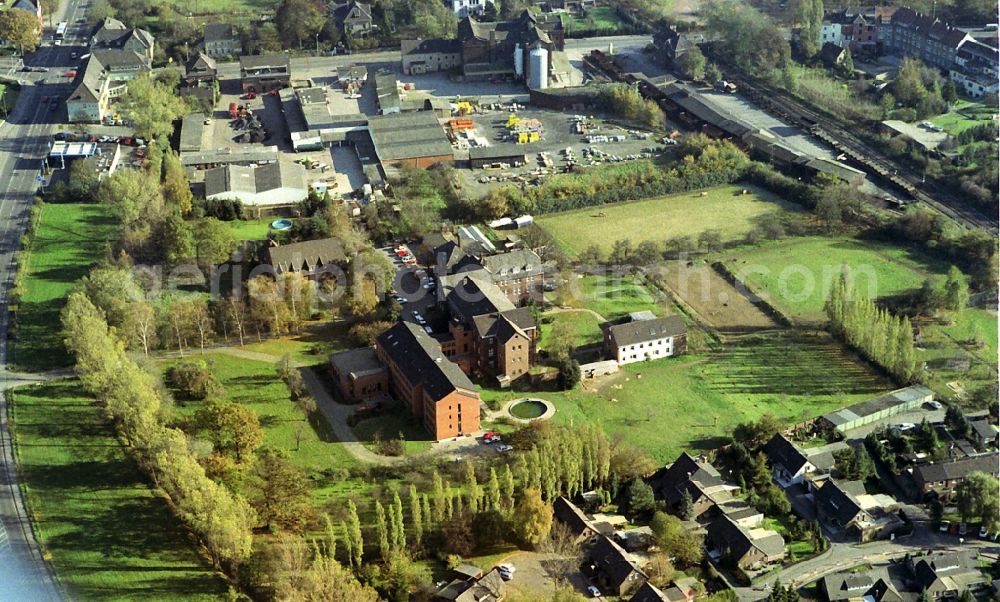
(964, 115)
(723, 208)
(972, 323)
(111, 536)
(389, 425)
(70, 239)
(945, 342)
(311, 444)
(216, 8)
(250, 229)
(313, 345)
(796, 274)
(613, 296)
(601, 17)
(693, 402)
(586, 327)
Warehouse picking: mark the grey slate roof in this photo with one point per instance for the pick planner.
(724, 534)
(218, 32)
(669, 483)
(780, 450)
(504, 324)
(471, 294)
(569, 513)
(431, 46)
(906, 396)
(311, 253)
(260, 61)
(201, 64)
(613, 561)
(632, 333)
(957, 469)
(357, 362)
(648, 593)
(408, 135)
(419, 357)
(518, 263)
(836, 500)
(984, 429)
(255, 178)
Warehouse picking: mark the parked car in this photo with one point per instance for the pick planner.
(491, 437)
(962, 529)
(593, 592)
(428, 330)
(945, 525)
(503, 448)
(983, 533)
(506, 571)
(953, 529)
(934, 405)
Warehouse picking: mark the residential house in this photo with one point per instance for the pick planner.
(113, 34)
(975, 71)
(434, 388)
(33, 7)
(359, 374)
(926, 38)
(200, 70)
(946, 574)
(220, 40)
(698, 478)
(102, 78)
(650, 593)
(317, 259)
(789, 466)
(426, 56)
(584, 528)
(984, 433)
(645, 339)
(858, 587)
(833, 56)
(940, 478)
(844, 506)
(635, 539)
(464, 8)
(672, 45)
(614, 569)
(264, 73)
(354, 18)
(746, 549)
(857, 31)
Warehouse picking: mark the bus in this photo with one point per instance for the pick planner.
(61, 31)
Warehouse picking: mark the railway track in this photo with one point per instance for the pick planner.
(779, 104)
(782, 106)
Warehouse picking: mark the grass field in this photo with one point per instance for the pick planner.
(222, 7)
(250, 229)
(69, 240)
(110, 534)
(693, 402)
(313, 345)
(795, 274)
(586, 328)
(964, 115)
(601, 17)
(658, 219)
(943, 343)
(612, 296)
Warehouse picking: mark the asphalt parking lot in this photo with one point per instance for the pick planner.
(557, 136)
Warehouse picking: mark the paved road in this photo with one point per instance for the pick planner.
(23, 141)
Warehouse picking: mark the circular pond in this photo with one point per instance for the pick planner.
(528, 409)
(281, 224)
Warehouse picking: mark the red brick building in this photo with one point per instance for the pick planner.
(434, 388)
(359, 374)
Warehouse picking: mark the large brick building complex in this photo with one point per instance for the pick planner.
(435, 389)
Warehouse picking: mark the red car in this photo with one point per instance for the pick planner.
(491, 437)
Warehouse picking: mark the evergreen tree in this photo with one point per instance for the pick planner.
(493, 491)
(382, 529)
(685, 508)
(507, 488)
(416, 518)
(354, 536)
(439, 498)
